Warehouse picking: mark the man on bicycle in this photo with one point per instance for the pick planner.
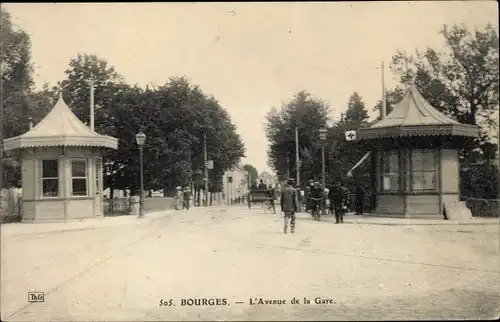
(316, 197)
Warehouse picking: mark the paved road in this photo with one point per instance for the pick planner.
(123, 268)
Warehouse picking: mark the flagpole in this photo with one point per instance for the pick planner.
(92, 101)
(297, 156)
(383, 108)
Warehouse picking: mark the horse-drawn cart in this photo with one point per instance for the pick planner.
(257, 196)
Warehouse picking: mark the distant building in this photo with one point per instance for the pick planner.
(235, 183)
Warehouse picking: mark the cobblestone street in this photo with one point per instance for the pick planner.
(370, 268)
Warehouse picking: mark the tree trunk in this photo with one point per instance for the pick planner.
(210, 198)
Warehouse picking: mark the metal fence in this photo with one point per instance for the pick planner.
(117, 207)
(487, 208)
(483, 207)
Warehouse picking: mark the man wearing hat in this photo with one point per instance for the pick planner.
(299, 197)
(187, 197)
(289, 206)
(307, 194)
(179, 202)
(316, 196)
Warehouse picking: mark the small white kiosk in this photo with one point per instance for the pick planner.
(61, 167)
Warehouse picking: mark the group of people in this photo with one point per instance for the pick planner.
(182, 198)
(315, 197)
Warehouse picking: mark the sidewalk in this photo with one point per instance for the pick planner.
(23, 228)
(379, 220)
(367, 219)
(27, 228)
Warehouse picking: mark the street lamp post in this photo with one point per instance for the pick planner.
(322, 135)
(141, 139)
(230, 188)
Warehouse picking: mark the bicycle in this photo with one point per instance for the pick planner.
(316, 214)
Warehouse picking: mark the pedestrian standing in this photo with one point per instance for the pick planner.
(360, 199)
(326, 200)
(332, 197)
(307, 194)
(271, 195)
(341, 203)
(299, 198)
(187, 198)
(179, 198)
(289, 205)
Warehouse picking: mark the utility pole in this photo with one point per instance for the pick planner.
(383, 108)
(206, 167)
(1, 147)
(92, 101)
(297, 156)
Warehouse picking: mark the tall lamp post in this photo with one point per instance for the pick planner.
(141, 139)
(322, 136)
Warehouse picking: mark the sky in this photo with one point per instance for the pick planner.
(249, 56)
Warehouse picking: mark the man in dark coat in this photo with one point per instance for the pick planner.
(360, 199)
(299, 198)
(333, 197)
(307, 194)
(289, 204)
(262, 185)
(271, 195)
(316, 196)
(341, 203)
(186, 198)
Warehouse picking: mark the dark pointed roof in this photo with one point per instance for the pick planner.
(60, 128)
(414, 116)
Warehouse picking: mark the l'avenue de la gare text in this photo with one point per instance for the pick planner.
(294, 300)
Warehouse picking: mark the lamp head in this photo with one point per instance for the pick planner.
(140, 138)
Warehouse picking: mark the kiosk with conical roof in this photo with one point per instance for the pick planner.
(415, 158)
(61, 167)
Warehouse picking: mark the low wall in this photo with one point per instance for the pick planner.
(152, 204)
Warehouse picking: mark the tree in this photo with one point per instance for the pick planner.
(252, 173)
(188, 115)
(342, 154)
(16, 86)
(115, 114)
(356, 114)
(76, 87)
(308, 114)
(461, 81)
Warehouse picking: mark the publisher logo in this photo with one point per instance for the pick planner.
(36, 297)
